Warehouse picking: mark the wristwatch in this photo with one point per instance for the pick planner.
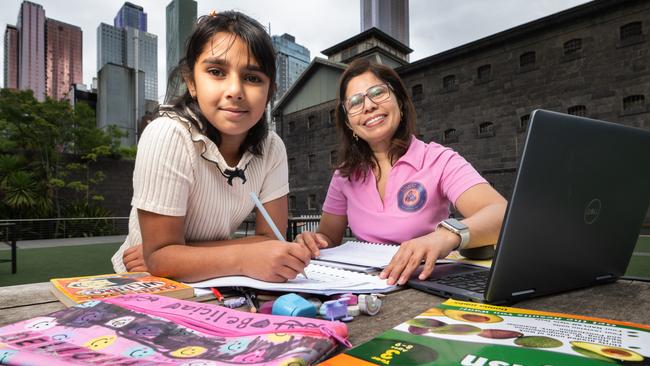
(458, 228)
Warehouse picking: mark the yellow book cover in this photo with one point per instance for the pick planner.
(74, 290)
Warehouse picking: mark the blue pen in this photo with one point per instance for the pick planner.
(269, 221)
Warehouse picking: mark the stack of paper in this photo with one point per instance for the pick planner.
(322, 280)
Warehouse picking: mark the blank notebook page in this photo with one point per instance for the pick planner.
(360, 253)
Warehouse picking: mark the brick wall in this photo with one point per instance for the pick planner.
(599, 75)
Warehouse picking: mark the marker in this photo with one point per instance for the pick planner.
(269, 221)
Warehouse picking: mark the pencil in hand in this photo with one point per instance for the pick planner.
(270, 222)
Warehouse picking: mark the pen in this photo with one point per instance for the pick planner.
(269, 221)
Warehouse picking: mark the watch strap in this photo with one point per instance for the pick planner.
(463, 233)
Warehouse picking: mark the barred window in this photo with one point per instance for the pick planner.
(631, 30)
(578, 110)
(311, 202)
(292, 202)
(523, 122)
(292, 165)
(483, 73)
(416, 92)
(631, 102)
(292, 127)
(572, 46)
(311, 161)
(450, 135)
(333, 158)
(449, 82)
(332, 117)
(527, 59)
(311, 121)
(486, 129)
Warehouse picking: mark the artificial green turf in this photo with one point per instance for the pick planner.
(41, 264)
(640, 263)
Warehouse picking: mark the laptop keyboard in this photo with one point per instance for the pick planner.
(475, 281)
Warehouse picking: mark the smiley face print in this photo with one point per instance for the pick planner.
(189, 351)
(99, 343)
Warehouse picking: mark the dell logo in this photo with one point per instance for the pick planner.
(592, 211)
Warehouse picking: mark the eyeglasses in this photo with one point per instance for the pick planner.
(377, 94)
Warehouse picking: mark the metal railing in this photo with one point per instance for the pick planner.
(296, 225)
(69, 227)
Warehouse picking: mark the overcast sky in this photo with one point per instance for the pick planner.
(436, 25)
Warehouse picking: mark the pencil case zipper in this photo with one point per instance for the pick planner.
(321, 330)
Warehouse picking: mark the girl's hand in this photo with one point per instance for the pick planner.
(134, 259)
(274, 261)
(313, 241)
(411, 253)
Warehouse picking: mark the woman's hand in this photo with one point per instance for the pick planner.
(274, 261)
(134, 259)
(411, 253)
(313, 241)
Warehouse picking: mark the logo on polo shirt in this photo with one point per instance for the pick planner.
(411, 197)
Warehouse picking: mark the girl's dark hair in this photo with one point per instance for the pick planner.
(253, 34)
(356, 158)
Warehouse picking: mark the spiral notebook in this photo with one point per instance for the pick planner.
(363, 255)
(324, 280)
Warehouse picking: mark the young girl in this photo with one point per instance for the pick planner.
(199, 160)
(393, 188)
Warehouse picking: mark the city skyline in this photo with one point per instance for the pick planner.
(337, 21)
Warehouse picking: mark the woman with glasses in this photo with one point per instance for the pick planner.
(390, 187)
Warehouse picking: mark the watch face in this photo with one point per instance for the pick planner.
(456, 224)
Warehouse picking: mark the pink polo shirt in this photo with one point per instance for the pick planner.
(421, 186)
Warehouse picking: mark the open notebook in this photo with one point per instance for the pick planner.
(358, 256)
(322, 280)
(372, 257)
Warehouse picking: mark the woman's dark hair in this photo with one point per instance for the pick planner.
(356, 158)
(253, 34)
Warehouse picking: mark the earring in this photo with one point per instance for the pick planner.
(354, 135)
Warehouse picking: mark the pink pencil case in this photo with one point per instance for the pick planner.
(158, 330)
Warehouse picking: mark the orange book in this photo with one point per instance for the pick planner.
(75, 290)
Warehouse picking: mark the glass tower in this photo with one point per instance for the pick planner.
(390, 16)
(292, 59)
(131, 15)
(181, 17)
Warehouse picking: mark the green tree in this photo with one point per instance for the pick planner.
(34, 137)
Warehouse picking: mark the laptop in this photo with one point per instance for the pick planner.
(580, 197)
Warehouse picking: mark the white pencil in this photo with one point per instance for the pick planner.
(269, 221)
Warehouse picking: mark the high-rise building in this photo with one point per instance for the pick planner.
(141, 52)
(181, 17)
(63, 55)
(110, 45)
(128, 47)
(131, 15)
(391, 16)
(11, 57)
(292, 59)
(31, 48)
(41, 54)
(116, 100)
(79, 93)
